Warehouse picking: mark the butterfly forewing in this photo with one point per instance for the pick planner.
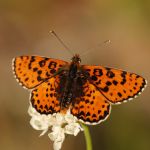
(115, 85)
(33, 70)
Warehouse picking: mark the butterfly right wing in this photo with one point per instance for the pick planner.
(92, 107)
(116, 85)
(31, 71)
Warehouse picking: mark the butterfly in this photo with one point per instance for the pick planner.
(87, 91)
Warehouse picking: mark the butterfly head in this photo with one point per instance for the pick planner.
(76, 59)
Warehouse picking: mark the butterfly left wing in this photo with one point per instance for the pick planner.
(92, 107)
(116, 85)
(31, 71)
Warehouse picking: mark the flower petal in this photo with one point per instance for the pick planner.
(73, 128)
(57, 135)
(57, 145)
(69, 118)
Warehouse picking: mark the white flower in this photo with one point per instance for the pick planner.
(60, 124)
(57, 135)
(73, 128)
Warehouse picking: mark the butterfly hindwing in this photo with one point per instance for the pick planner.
(115, 85)
(92, 108)
(44, 97)
(30, 71)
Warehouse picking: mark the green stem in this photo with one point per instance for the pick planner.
(87, 137)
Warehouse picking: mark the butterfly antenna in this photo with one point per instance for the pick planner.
(61, 41)
(99, 45)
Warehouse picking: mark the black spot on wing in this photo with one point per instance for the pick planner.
(98, 72)
(35, 69)
(109, 73)
(42, 63)
(39, 78)
(108, 83)
(123, 74)
(26, 79)
(115, 82)
(52, 71)
(52, 65)
(105, 89)
(31, 61)
(94, 78)
(123, 81)
(119, 94)
(88, 114)
(39, 72)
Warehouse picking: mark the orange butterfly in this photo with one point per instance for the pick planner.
(88, 91)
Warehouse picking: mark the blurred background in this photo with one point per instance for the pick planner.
(82, 24)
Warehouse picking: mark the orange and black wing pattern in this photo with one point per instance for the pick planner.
(44, 97)
(115, 85)
(88, 91)
(91, 108)
(30, 71)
